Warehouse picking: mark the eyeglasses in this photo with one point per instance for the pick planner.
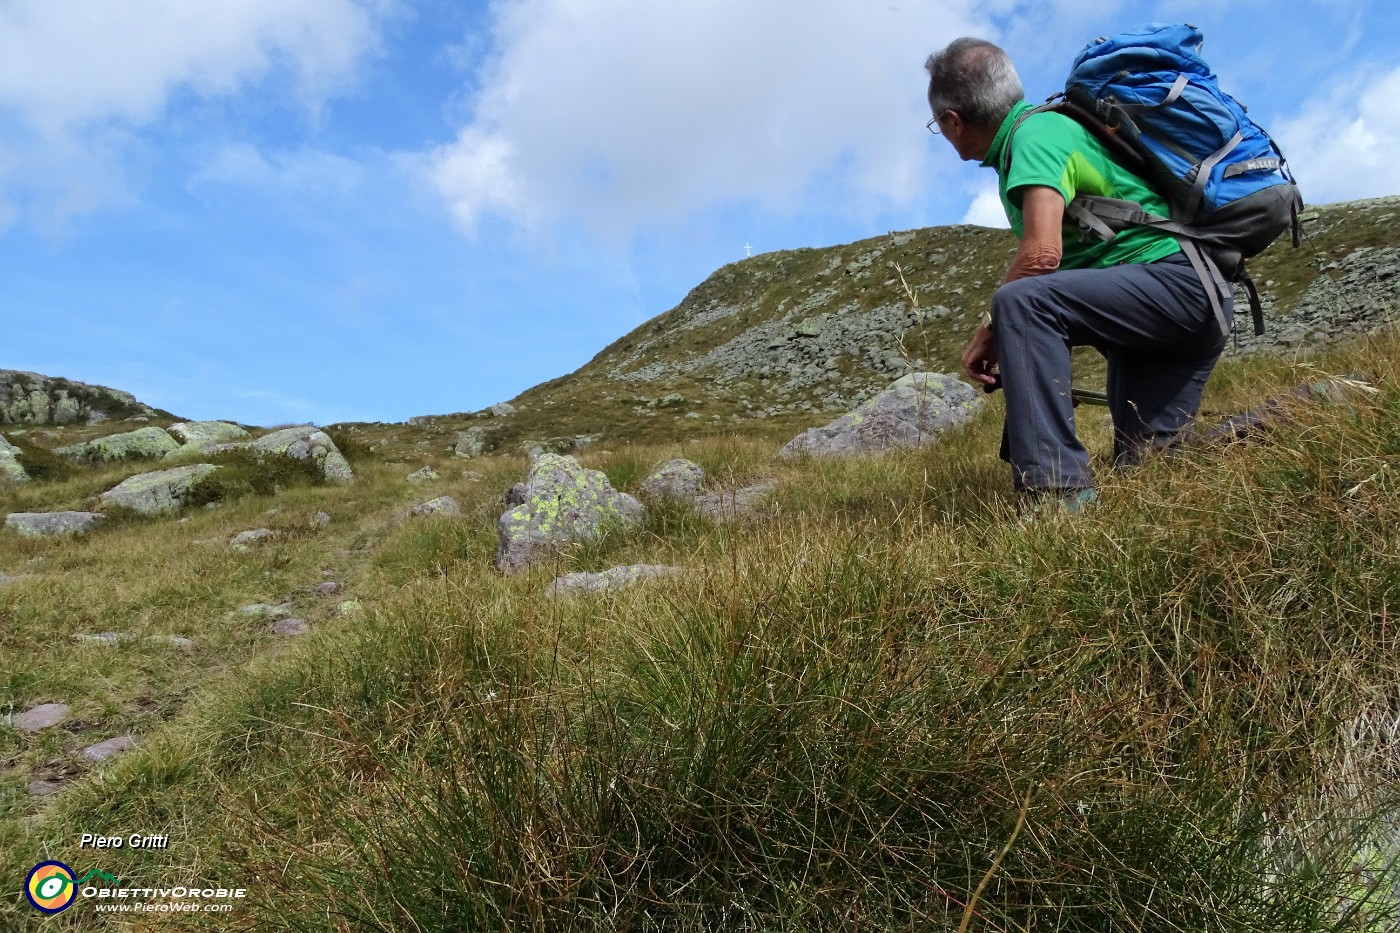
(932, 125)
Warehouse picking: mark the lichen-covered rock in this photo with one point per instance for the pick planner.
(424, 475)
(47, 524)
(470, 443)
(131, 445)
(611, 579)
(244, 540)
(679, 480)
(159, 492)
(308, 442)
(911, 413)
(11, 470)
(501, 410)
(29, 398)
(442, 505)
(563, 502)
(202, 435)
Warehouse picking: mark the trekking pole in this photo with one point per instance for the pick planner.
(1077, 395)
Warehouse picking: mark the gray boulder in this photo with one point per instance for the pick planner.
(730, 504)
(911, 413)
(159, 492)
(470, 443)
(424, 475)
(132, 445)
(48, 524)
(501, 410)
(202, 435)
(442, 505)
(611, 579)
(562, 502)
(679, 480)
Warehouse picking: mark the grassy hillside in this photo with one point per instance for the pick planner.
(883, 703)
(778, 342)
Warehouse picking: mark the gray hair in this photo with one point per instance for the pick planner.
(975, 78)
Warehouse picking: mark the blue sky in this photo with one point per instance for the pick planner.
(278, 211)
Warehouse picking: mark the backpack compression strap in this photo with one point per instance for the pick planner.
(1104, 217)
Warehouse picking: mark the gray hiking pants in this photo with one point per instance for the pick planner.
(1153, 323)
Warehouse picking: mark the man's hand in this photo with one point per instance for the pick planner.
(979, 360)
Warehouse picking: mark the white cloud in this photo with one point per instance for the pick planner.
(1344, 146)
(629, 113)
(70, 63)
(986, 209)
(306, 170)
(86, 84)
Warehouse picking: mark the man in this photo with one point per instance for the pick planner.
(1135, 298)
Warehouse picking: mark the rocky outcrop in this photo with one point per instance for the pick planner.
(52, 524)
(142, 443)
(203, 435)
(29, 398)
(1351, 295)
(308, 442)
(911, 413)
(562, 502)
(160, 492)
(302, 442)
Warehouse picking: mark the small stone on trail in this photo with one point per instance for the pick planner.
(610, 579)
(104, 638)
(279, 611)
(41, 717)
(290, 628)
(246, 539)
(104, 750)
(43, 788)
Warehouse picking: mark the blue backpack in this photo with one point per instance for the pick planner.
(1156, 105)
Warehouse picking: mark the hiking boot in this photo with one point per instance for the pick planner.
(1037, 503)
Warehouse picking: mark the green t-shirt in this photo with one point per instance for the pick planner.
(1053, 150)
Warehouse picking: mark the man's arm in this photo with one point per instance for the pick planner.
(1043, 213)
